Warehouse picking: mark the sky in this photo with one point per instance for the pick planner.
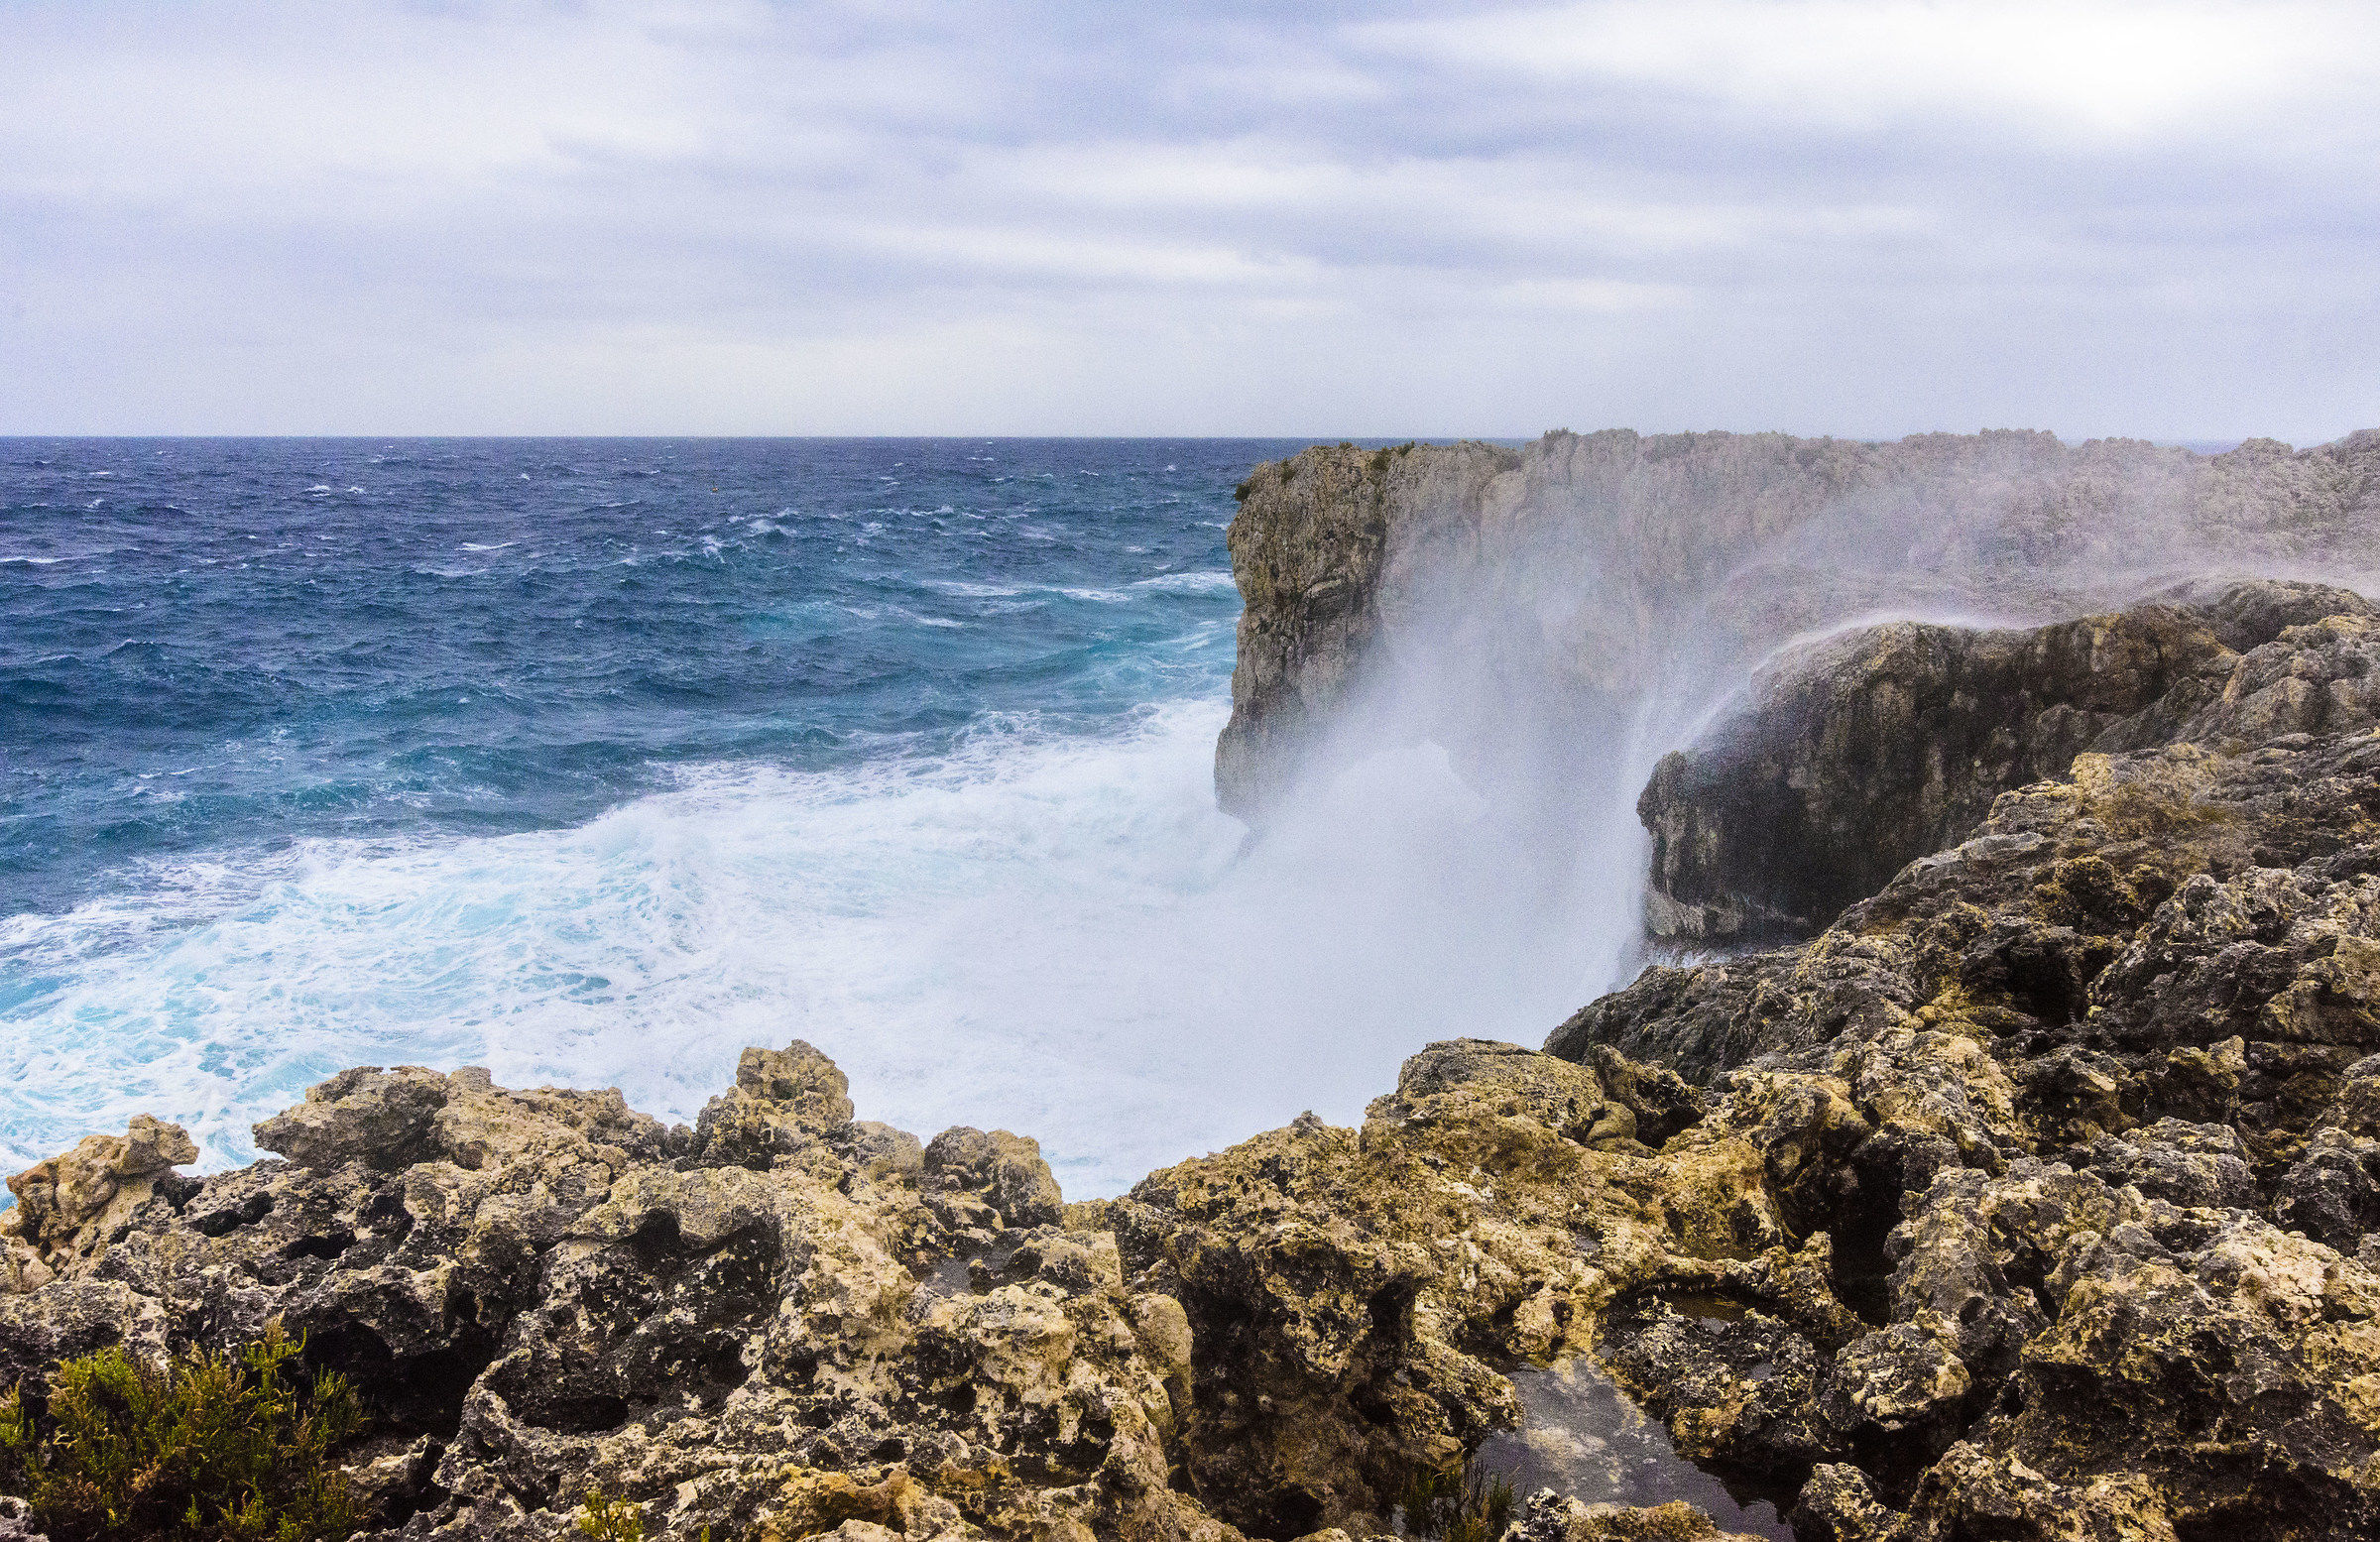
(1099, 217)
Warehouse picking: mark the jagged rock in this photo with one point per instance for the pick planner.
(1005, 1170)
(1352, 1294)
(2331, 1193)
(2179, 1162)
(2073, 1098)
(1838, 1504)
(539, 1294)
(783, 1102)
(70, 1207)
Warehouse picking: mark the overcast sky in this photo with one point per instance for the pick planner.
(989, 218)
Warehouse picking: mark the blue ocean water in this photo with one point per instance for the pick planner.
(593, 761)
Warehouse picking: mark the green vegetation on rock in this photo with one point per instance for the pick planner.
(226, 1447)
(1465, 1504)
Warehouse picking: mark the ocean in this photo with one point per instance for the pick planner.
(592, 762)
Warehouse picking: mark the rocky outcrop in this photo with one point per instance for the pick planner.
(770, 1325)
(1863, 755)
(786, 1323)
(2083, 1106)
(71, 1206)
(1609, 582)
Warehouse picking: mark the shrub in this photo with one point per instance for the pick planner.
(213, 1448)
(1461, 1505)
(607, 1517)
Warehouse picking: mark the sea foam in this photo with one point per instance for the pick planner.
(1055, 935)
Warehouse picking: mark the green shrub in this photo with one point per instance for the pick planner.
(213, 1448)
(1462, 1506)
(607, 1517)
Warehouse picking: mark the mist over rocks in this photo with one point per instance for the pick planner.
(2035, 1196)
(1882, 745)
(1595, 598)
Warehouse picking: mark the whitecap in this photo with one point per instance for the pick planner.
(30, 561)
(964, 589)
(1188, 583)
(470, 546)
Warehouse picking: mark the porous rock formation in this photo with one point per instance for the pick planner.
(2086, 1107)
(785, 1323)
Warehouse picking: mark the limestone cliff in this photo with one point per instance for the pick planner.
(1593, 577)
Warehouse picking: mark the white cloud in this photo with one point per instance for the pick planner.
(1047, 216)
(2048, 65)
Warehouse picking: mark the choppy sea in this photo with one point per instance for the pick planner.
(593, 761)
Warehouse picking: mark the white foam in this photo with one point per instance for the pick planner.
(1053, 937)
(1188, 583)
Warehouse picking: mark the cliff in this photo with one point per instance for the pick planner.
(1619, 584)
(1860, 756)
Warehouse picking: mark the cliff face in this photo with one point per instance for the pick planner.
(1596, 578)
(1881, 746)
(1311, 551)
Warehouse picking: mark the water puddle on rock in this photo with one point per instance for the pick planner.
(1581, 1435)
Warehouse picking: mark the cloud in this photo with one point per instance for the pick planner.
(1035, 216)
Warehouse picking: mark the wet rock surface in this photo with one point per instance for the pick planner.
(1868, 753)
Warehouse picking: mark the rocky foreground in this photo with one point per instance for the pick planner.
(2035, 1196)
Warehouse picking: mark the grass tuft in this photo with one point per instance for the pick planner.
(1455, 1506)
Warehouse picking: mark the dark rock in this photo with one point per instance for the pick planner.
(1005, 1170)
(1890, 744)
